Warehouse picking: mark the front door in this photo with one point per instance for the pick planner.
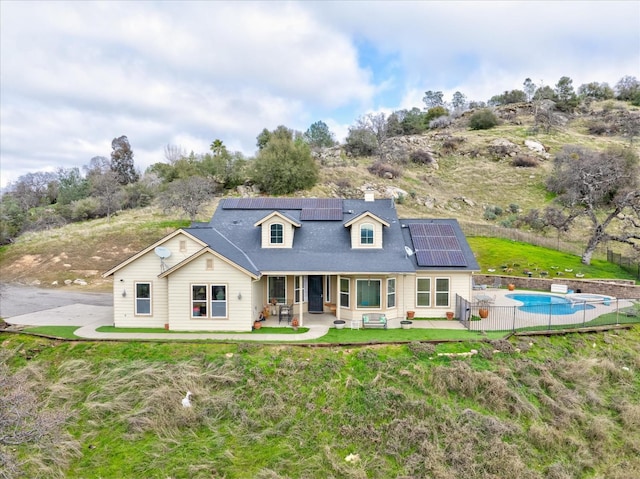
(315, 294)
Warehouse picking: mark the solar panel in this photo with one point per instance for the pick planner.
(436, 245)
(311, 209)
(321, 214)
(264, 203)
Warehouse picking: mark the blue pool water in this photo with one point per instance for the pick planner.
(548, 304)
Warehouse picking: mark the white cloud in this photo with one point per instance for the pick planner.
(75, 75)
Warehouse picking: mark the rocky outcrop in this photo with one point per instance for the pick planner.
(398, 149)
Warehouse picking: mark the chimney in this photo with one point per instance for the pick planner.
(369, 194)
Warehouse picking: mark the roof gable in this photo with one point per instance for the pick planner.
(203, 251)
(366, 214)
(286, 218)
(160, 242)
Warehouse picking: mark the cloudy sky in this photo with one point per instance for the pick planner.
(74, 75)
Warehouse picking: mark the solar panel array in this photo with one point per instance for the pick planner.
(312, 209)
(436, 245)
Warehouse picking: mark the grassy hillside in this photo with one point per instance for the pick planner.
(560, 407)
(468, 178)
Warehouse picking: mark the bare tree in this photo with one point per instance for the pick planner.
(189, 194)
(173, 153)
(603, 187)
(108, 190)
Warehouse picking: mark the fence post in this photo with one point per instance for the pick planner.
(584, 313)
(514, 318)
(550, 314)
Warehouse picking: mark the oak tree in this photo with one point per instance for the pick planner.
(604, 187)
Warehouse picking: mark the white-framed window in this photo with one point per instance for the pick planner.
(298, 289)
(345, 293)
(366, 234)
(199, 300)
(442, 292)
(209, 301)
(143, 299)
(277, 233)
(218, 301)
(423, 292)
(277, 286)
(368, 293)
(391, 292)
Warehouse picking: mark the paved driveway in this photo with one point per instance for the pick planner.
(31, 306)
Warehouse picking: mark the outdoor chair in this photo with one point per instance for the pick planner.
(285, 313)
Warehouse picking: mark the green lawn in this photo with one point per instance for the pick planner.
(337, 336)
(514, 257)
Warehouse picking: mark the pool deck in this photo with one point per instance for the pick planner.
(504, 314)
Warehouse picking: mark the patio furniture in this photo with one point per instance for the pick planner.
(285, 313)
(374, 320)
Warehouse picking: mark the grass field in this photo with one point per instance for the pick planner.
(561, 407)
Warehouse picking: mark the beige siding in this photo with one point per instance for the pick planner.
(377, 233)
(239, 311)
(146, 270)
(287, 233)
(459, 283)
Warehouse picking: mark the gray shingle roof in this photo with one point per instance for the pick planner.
(320, 246)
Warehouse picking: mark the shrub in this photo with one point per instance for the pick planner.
(440, 122)
(421, 157)
(597, 127)
(483, 120)
(384, 170)
(525, 161)
(452, 144)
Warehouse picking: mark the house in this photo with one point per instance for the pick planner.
(329, 255)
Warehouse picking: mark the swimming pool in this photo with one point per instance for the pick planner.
(548, 304)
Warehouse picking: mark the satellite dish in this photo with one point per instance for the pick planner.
(409, 251)
(162, 252)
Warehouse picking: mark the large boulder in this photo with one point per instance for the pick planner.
(398, 149)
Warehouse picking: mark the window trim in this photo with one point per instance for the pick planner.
(136, 298)
(391, 294)
(274, 234)
(213, 300)
(193, 307)
(423, 292)
(284, 299)
(345, 294)
(208, 301)
(368, 280)
(370, 238)
(438, 292)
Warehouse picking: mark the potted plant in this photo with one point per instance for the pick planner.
(511, 286)
(483, 309)
(339, 323)
(295, 323)
(411, 314)
(406, 324)
(449, 315)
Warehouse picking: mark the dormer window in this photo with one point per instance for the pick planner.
(277, 233)
(366, 234)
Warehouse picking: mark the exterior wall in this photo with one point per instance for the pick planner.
(239, 311)
(287, 232)
(377, 233)
(459, 283)
(146, 269)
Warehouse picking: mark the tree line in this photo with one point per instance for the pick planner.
(284, 164)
